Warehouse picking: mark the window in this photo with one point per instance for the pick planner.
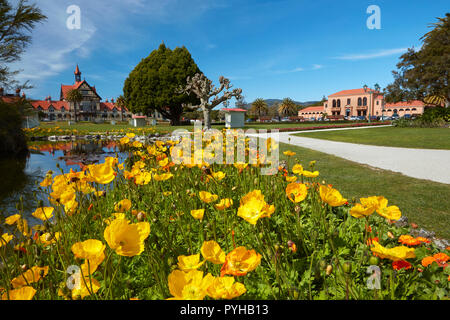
(348, 101)
(339, 103)
(359, 102)
(334, 103)
(378, 102)
(51, 109)
(364, 101)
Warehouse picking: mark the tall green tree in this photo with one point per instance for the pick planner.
(259, 107)
(75, 97)
(16, 24)
(424, 74)
(154, 83)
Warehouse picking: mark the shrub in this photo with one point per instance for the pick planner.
(12, 139)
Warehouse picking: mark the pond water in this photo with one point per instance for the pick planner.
(21, 178)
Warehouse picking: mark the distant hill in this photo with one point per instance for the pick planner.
(271, 102)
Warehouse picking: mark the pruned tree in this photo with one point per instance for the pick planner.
(205, 90)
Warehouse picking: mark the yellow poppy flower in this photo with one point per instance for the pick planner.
(297, 169)
(30, 276)
(252, 207)
(212, 252)
(90, 249)
(48, 239)
(143, 178)
(359, 211)
(224, 204)
(190, 285)
(240, 261)
(130, 135)
(198, 214)
(124, 140)
(43, 213)
(289, 153)
(23, 293)
(86, 285)
(298, 190)
(123, 205)
(331, 196)
(310, 174)
(291, 179)
(126, 239)
(12, 219)
(207, 197)
(391, 212)
(218, 175)
(162, 177)
(395, 254)
(225, 288)
(192, 262)
(5, 238)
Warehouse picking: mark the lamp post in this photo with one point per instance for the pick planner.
(371, 92)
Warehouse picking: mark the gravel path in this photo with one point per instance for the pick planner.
(425, 164)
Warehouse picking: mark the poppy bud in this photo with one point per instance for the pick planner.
(390, 235)
(322, 264)
(140, 216)
(373, 261)
(329, 269)
(23, 267)
(347, 266)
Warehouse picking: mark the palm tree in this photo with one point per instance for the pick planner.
(287, 107)
(121, 104)
(76, 97)
(259, 106)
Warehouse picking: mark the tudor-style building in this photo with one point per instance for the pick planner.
(91, 108)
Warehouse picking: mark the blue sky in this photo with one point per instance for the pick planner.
(271, 49)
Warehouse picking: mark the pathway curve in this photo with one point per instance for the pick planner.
(425, 164)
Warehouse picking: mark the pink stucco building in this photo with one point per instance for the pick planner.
(360, 102)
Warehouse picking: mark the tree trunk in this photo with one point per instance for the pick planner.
(207, 118)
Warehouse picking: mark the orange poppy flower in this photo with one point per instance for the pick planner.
(240, 261)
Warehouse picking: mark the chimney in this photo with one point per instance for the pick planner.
(106, 101)
(112, 100)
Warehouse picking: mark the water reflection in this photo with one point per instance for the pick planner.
(20, 178)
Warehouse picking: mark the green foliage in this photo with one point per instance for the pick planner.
(431, 118)
(15, 24)
(153, 83)
(424, 72)
(12, 139)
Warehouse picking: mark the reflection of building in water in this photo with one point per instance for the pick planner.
(78, 153)
(91, 108)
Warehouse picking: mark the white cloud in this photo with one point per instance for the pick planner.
(373, 55)
(317, 66)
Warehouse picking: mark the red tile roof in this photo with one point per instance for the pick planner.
(109, 106)
(413, 103)
(349, 92)
(312, 109)
(45, 104)
(233, 109)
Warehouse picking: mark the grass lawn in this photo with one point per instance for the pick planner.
(423, 202)
(424, 138)
(164, 128)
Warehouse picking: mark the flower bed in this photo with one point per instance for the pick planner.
(353, 125)
(152, 229)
